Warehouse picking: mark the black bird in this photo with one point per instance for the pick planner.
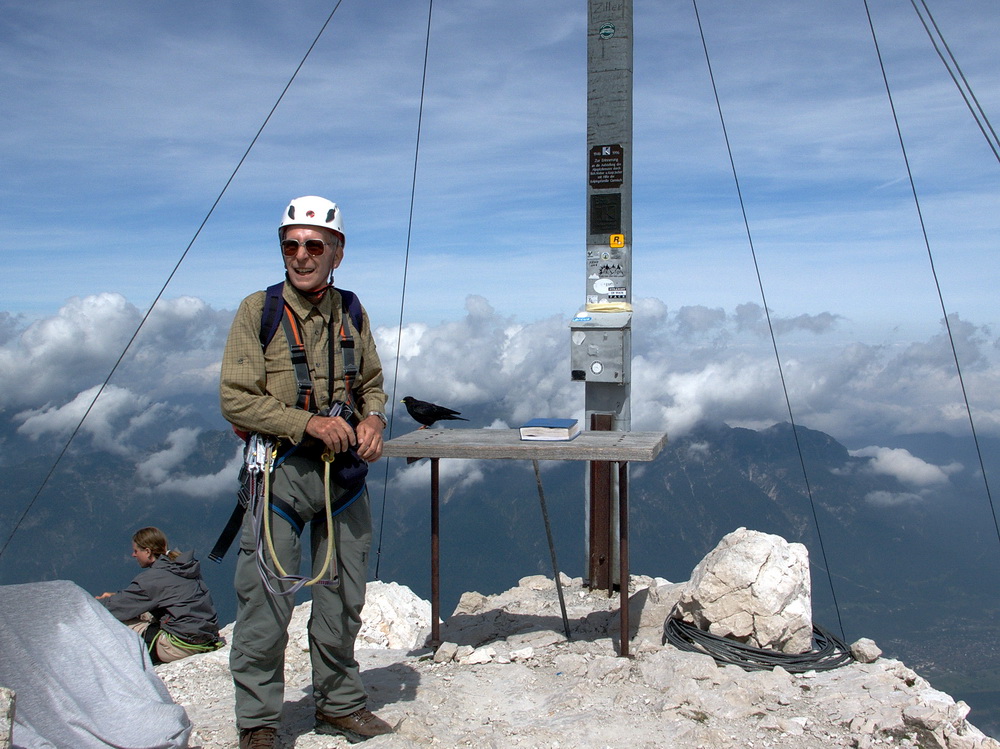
(427, 413)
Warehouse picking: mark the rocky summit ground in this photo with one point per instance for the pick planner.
(508, 677)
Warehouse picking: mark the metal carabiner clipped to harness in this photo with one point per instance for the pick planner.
(259, 454)
(344, 411)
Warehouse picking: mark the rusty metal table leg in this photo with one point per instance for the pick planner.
(623, 571)
(435, 557)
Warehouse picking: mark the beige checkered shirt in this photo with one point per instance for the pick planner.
(257, 388)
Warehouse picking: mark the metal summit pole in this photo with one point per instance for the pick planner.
(601, 331)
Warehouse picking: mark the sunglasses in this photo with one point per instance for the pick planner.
(315, 247)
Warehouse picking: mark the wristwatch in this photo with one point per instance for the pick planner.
(385, 421)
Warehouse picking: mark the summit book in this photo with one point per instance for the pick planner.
(550, 429)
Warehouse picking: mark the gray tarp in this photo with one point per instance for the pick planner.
(82, 678)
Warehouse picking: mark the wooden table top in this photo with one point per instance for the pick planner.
(493, 444)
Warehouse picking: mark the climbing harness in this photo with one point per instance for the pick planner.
(260, 458)
(261, 501)
(205, 647)
(263, 453)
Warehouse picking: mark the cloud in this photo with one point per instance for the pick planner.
(690, 365)
(122, 423)
(698, 451)
(10, 325)
(114, 419)
(727, 371)
(54, 355)
(697, 364)
(514, 370)
(892, 499)
(222, 482)
(694, 320)
(904, 466)
(163, 464)
(163, 472)
(738, 390)
(455, 474)
(751, 317)
(54, 358)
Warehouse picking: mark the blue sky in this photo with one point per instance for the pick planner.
(122, 123)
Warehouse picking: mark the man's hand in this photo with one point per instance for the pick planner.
(332, 431)
(370, 439)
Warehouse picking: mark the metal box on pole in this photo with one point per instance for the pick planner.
(601, 346)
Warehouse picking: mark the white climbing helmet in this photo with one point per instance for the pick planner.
(311, 210)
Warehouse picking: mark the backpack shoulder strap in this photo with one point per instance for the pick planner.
(351, 308)
(275, 314)
(270, 318)
(297, 352)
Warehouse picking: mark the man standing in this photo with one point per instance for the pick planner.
(267, 388)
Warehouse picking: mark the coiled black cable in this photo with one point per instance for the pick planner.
(828, 651)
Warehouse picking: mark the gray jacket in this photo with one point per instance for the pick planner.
(174, 593)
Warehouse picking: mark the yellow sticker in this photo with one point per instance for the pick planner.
(617, 240)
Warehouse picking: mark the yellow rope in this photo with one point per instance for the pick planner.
(267, 513)
(327, 460)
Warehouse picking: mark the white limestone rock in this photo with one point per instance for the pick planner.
(471, 602)
(754, 588)
(445, 652)
(394, 617)
(865, 650)
(651, 606)
(479, 656)
(7, 702)
(542, 583)
(522, 654)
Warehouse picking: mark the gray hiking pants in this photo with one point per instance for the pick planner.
(257, 659)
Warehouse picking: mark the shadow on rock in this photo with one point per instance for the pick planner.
(386, 685)
(390, 684)
(490, 623)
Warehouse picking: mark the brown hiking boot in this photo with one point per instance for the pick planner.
(264, 737)
(360, 725)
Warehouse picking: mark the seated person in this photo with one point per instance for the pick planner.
(167, 603)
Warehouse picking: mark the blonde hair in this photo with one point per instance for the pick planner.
(153, 540)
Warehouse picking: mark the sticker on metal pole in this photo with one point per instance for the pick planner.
(607, 166)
